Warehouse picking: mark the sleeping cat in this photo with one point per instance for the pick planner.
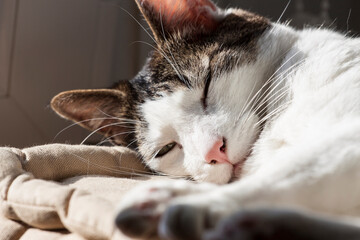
(229, 97)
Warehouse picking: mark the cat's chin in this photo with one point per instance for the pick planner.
(237, 170)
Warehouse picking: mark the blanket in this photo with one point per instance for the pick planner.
(64, 191)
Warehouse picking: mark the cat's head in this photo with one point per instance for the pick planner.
(191, 111)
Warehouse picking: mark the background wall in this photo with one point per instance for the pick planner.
(49, 46)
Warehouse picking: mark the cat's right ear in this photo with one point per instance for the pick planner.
(107, 111)
(185, 17)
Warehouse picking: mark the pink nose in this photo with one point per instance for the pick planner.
(217, 153)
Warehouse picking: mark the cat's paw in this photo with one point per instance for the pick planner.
(187, 221)
(269, 224)
(143, 208)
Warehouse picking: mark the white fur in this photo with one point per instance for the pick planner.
(308, 154)
(179, 117)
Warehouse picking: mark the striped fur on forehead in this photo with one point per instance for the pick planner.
(234, 42)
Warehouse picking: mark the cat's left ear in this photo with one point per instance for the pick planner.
(187, 17)
(110, 112)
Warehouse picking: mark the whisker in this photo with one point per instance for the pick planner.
(153, 47)
(175, 66)
(121, 170)
(281, 95)
(280, 79)
(122, 119)
(348, 21)
(259, 94)
(152, 38)
(76, 123)
(272, 81)
(112, 136)
(269, 81)
(96, 130)
(246, 101)
(275, 84)
(168, 60)
(131, 143)
(146, 31)
(274, 112)
(159, 49)
(284, 76)
(275, 100)
(282, 14)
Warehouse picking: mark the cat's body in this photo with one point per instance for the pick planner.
(274, 110)
(316, 96)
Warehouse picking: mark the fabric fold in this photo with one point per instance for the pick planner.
(36, 194)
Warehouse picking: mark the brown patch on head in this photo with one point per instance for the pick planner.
(110, 112)
(237, 38)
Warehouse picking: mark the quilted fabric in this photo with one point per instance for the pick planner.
(65, 191)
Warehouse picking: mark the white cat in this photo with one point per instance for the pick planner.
(229, 96)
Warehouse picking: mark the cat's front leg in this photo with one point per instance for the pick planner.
(142, 210)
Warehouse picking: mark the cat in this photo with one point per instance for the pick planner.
(264, 117)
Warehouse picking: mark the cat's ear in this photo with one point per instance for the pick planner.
(106, 111)
(180, 16)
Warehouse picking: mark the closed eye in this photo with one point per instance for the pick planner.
(166, 149)
(206, 90)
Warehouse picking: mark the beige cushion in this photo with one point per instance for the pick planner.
(58, 187)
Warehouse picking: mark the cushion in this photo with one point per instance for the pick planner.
(65, 191)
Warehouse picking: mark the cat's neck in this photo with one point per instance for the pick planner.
(278, 50)
(279, 56)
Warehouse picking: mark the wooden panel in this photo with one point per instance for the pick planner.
(7, 28)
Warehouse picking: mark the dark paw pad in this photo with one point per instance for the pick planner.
(137, 223)
(183, 222)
